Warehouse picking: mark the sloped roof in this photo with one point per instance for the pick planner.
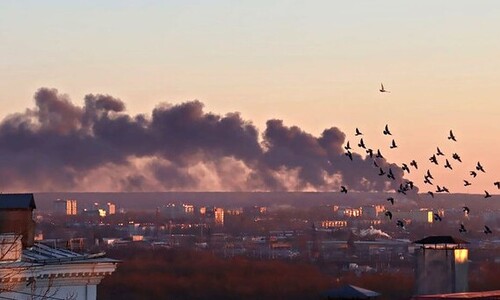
(440, 239)
(350, 292)
(13, 201)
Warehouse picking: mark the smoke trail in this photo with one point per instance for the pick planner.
(61, 146)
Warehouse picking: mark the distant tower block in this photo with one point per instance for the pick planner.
(111, 208)
(441, 265)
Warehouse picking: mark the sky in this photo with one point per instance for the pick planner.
(314, 65)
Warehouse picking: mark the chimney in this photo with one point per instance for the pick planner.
(16, 216)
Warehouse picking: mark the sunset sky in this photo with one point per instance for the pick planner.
(312, 64)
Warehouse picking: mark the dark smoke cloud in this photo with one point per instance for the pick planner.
(61, 146)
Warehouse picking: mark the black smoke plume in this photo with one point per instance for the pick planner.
(99, 147)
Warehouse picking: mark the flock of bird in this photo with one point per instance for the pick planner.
(428, 178)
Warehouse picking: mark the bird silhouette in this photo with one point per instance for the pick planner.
(466, 210)
(431, 194)
(349, 154)
(437, 217)
(362, 144)
(382, 89)
(455, 156)
(381, 172)
(473, 174)
(358, 132)
(427, 180)
(452, 136)
(405, 168)
(429, 174)
(375, 164)
(486, 194)
(409, 184)
(391, 199)
(433, 159)
(439, 152)
(462, 229)
(445, 189)
(439, 189)
(414, 164)
(347, 146)
(447, 165)
(401, 224)
(391, 175)
(386, 130)
(369, 152)
(497, 184)
(480, 168)
(487, 230)
(393, 144)
(388, 214)
(379, 155)
(402, 189)
(466, 183)
(343, 189)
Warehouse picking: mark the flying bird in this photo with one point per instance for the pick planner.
(452, 136)
(414, 164)
(445, 189)
(343, 189)
(439, 189)
(447, 165)
(437, 217)
(487, 195)
(455, 156)
(433, 159)
(393, 144)
(358, 132)
(382, 89)
(369, 152)
(466, 183)
(391, 175)
(487, 230)
(405, 168)
(497, 184)
(473, 174)
(439, 152)
(349, 154)
(402, 189)
(409, 183)
(431, 194)
(480, 168)
(381, 173)
(386, 130)
(388, 214)
(401, 224)
(427, 180)
(375, 164)
(466, 210)
(462, 228)
(391, 199)
(347, 146)
(429, 174)
(362, 144)
(379, 155)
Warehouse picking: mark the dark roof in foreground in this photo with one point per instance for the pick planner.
(13, 201)
(441, 239)
(350, 292)
(468, 295)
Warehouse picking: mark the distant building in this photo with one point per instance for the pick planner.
(16, 216)
(111, 208)
(219, 216)
(441, 265)
(66, 207)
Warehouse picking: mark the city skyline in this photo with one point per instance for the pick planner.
(314, 66)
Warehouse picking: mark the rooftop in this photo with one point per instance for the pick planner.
(440, 239)
(16, 201)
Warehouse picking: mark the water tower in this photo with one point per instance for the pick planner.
(441, 265)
